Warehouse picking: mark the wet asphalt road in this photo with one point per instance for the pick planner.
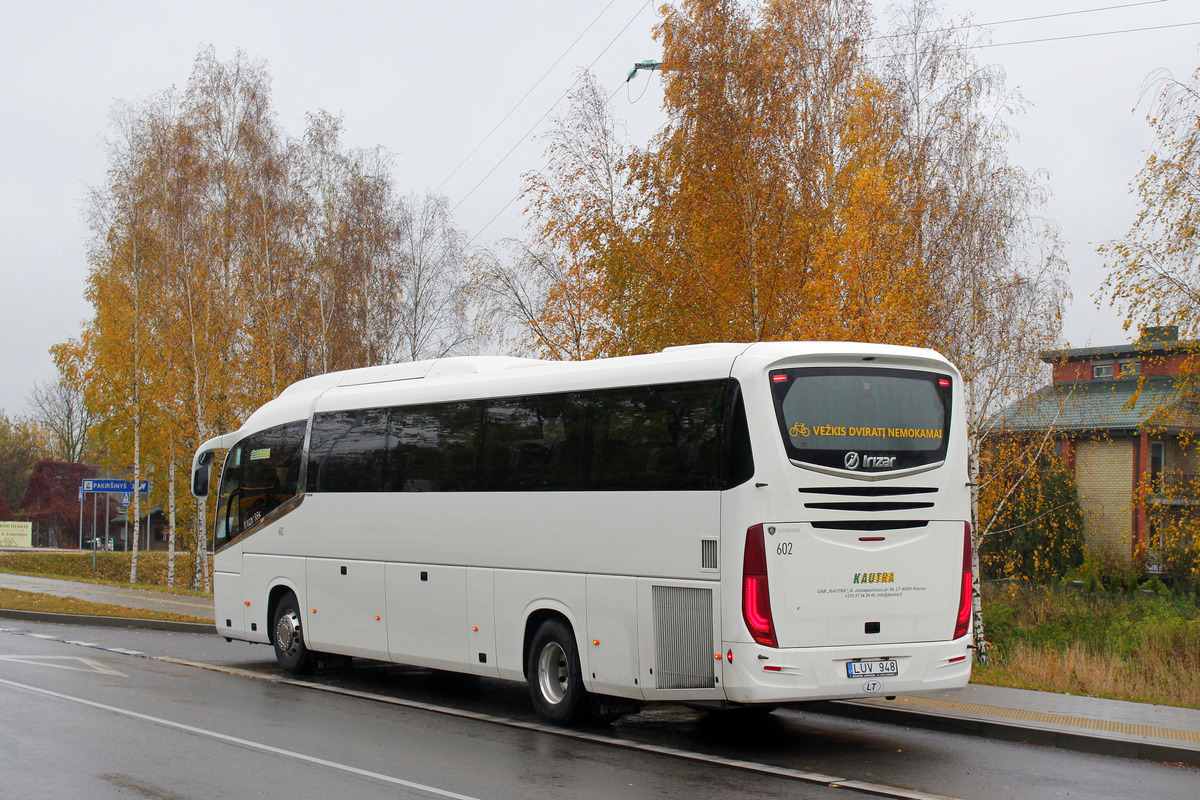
(220, 732)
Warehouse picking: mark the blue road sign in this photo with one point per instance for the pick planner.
(113, 485)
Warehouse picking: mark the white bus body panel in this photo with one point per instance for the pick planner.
(610, 656)
(523, 593)
(260, 574)
(481, 619)
(345, 609)
(427, 615)
(229, 610)
(827, 585)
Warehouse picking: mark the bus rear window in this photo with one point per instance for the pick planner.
(862, 420)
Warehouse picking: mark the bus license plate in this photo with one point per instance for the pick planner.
(877, 668)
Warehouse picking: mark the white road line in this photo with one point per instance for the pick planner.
(234, 740)
(879, 789)
(58, 662)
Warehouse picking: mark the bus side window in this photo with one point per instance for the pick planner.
(433, 446)
(737, 458)
(348, 452)
(533, 444)
(657, 438)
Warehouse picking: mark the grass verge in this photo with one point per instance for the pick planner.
(1144, 649)
(52, 604)
(110, 568)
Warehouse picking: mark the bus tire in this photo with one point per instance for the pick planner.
(555, 679)
(287, 634)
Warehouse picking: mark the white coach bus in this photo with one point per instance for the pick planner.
(717, 525)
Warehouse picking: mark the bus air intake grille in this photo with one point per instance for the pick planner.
(887, 505)
(708, 554)
(683, 638)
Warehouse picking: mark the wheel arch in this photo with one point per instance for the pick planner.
(534, 620)
(275, 595)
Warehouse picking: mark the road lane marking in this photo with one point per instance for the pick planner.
(833, 782)
(234, 740)
(58, 662)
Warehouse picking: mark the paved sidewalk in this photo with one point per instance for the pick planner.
(113, 595)
(1089, 724)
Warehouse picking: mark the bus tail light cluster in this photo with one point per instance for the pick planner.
(756, 596)
(963, 622)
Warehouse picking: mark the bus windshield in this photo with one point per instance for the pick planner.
(261, 473)
(862, 419)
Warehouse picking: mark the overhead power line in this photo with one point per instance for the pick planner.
(1024, 19)
(542, 118)
(1085, 35)
(526, 95)
(517, 196)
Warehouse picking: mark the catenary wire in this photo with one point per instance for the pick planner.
(526, 95)
(1022, 19)
(542, 118)
(516, 196)
(964, 48)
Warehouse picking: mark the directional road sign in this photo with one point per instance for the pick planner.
(112, 485)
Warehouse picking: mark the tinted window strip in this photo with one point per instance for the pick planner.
(671, 437)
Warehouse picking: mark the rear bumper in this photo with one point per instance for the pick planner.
(767, 675)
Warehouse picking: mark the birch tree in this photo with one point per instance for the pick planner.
(229, 260)
(1154, 271)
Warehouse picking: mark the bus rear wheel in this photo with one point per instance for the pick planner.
(554, 676)
(287, 634)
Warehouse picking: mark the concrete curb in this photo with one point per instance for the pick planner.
(1110, 745)
(109, 622)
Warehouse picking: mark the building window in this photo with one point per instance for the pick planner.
(1129, 367)
(1157, 457)
(1102, 370)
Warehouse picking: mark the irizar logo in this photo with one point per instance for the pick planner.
(854, 461)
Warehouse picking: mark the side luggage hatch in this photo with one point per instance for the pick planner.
(837, 587)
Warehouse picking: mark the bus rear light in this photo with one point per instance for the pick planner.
(756, 595)
(963, 623)
(770, 668)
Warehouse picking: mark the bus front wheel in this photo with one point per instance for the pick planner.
(555, 679)
(287, 634)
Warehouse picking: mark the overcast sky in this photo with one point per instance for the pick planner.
(430, 80)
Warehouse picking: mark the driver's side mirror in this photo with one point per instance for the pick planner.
(200, 476)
